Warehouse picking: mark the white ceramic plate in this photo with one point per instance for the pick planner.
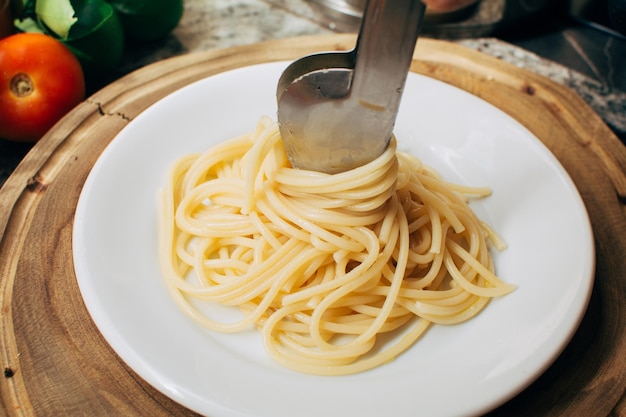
(458, 370)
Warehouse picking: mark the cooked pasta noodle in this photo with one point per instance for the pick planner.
(321, 264)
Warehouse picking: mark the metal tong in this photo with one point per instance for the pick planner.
(337, 110)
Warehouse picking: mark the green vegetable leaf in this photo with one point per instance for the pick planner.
(58, 15)
(28, 24)
(133, 7)
(97, 38)
(92, 14)
(148, 20)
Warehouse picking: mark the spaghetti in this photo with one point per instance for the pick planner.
(321, 264)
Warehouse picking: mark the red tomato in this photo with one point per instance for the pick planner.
(40, 81)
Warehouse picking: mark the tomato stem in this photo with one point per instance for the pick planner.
(21, 85)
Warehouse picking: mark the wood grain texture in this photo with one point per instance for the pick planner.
(56, 362)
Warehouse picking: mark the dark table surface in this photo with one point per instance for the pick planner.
(597, 55)
(590, 50)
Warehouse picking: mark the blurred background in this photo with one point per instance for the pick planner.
(578, 43)
(493, 17)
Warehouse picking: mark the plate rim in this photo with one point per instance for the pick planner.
(563, 344)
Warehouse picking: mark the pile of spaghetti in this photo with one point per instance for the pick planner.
(321, 264)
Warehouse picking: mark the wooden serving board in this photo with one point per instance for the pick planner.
(56, 362)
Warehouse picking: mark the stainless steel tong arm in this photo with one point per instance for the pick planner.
(337, 110)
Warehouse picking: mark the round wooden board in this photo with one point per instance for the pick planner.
(57, 363)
